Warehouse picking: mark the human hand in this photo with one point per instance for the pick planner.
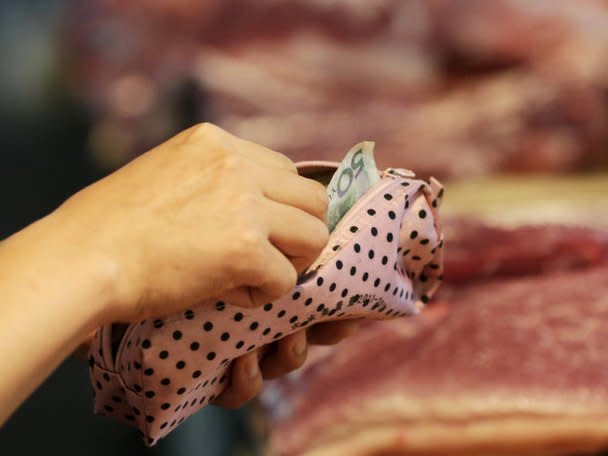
(202, 215)
(278, 359)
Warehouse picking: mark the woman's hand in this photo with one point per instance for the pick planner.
(202, 215)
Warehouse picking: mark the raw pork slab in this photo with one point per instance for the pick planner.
(514, 367)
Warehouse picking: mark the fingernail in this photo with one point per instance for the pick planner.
(299, 349)
(252, 369)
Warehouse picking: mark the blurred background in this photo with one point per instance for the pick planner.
(510, 96)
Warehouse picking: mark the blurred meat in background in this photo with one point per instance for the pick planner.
(445, 87)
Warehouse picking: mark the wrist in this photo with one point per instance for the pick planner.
(85, 278)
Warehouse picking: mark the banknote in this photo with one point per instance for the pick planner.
(356, 174)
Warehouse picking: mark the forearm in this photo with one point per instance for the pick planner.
(53, 293)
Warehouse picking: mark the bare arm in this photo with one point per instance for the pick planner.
(53, 293)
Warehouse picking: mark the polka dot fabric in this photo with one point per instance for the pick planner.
(383, 260)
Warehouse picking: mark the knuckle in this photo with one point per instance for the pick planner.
(206, 131)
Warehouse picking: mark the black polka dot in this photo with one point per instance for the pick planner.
(150, 394)
(165, 381)
(405, 184)
(136, 411)
(181, 390)
(424, 241)
(308, 302)
(344, 293)
(266, 331)
(424, 299)
(332, 312)
(422, 213)
(238, 316)
(353, 270)
(414, 234)
(239, 344)
(196, 374)
(188, 315)
(423, 278)
(374, 231)
(395, 290)
(405, 252)
(377, 282)
(164, 425)
(150, 419)
(251, 347)
(136, 365)
(416, 258)
(268, 307)
(365, 276)
(108, 408)
(149, 371)
(220, 305)
(208, 326)
(434, 266)
(434, 203)
(354, 229)
(202, 400)
(357, 248)
(253, 326)
(320, 308)
(116, 399)
(440, 194)
(137, 388)
(319, 281)
(388, 196)
(384, 260)
(371, 254)
(392, 215)
(371, 212)
(165, 406)
(332, 287)
(106, 377)
(407, 204)
(177, 335)
(293, 319)
(387, 287)
(278, 335)
(158, 323)
(389, 237)
(225, 336)
(211, 356)
(163, 354)
(335, 247)
(194, 346)
(180, 364)
(295, 296)
(281, 313)
(339, 264)
(146, 344)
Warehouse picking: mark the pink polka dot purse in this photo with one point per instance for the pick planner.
(383, 260)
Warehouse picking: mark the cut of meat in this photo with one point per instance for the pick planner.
(481, 252)
(450, 87)
(514, 367)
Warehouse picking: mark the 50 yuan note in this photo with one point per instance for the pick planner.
(356, 174)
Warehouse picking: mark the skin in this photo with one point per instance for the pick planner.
(158, 236)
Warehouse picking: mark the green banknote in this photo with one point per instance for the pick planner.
(355, 176)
